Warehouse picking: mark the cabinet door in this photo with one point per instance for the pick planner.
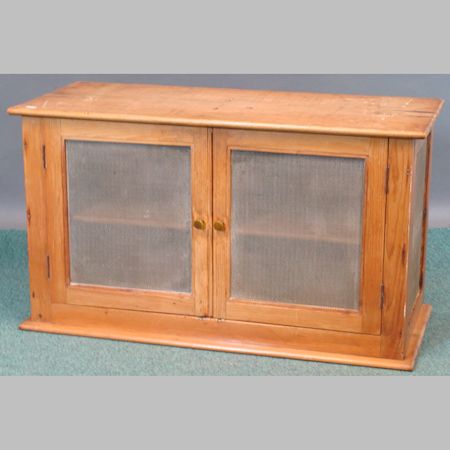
(299, 229)
(128, 214)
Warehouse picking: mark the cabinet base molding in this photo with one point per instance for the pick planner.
(230, 336)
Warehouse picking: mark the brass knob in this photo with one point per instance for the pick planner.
(199, 224)
(219, 226)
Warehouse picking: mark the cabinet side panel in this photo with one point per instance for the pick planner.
(426, 208)
(417, 225)
(398, 206)
(35, 188)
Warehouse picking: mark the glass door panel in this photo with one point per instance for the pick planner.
(296, 225)
(129, 208)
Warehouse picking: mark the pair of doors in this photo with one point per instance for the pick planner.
(258, 226)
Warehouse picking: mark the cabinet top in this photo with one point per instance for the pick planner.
(308, 112)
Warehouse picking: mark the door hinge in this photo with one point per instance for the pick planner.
(48, 267)
(386, 182)
(44, 157)
(382, 296)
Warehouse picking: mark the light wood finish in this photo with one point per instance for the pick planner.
(426, 203)
(204, 329)
(35, 189)
(420, 295)
(229, 336)
(131, 133)
(401, 160)
(131, 299)
(234, 108)
(210, 232)
(264, 311)
(415, 337)
(411, 318)
(310, 144)
(171, 302)
(374, 152)
(426, 206)
(373, 236)
(56, 217)
(201, 175)
(221, 212)
(426, 200)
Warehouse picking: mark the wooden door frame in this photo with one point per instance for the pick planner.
(374, 151)
(62, 290)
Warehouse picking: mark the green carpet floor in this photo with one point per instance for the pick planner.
(27, 353)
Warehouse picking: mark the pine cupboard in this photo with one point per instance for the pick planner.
(274, 223)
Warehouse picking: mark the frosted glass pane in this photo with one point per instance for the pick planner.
(296, 228)
(416, 232)
(129, 215)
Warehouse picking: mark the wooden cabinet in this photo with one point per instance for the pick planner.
(282, 224)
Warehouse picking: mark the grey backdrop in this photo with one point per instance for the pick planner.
(18, 88)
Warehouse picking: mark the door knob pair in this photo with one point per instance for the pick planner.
(200, 224)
